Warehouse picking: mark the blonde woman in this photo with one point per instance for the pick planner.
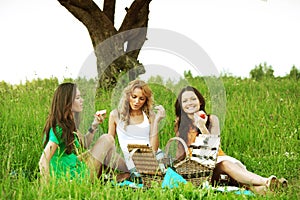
(135, 122)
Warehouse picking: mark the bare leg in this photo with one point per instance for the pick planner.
(246, 178)
(104, 152)
(240, 174)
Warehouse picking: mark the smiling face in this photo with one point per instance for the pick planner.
(77, 104)
(137, 99)
(190, 102)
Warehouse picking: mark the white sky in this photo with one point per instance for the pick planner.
(40, 39)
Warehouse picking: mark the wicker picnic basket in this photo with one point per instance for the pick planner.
(146, 163)
(193, 167)
(193, 171)
(196, 167)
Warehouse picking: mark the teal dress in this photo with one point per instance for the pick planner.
(63, 165)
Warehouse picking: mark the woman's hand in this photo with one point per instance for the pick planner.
(160, 114)
(98, 118)
(44, 162)
(200, 119)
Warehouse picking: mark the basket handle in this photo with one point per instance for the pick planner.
(181, 141)
(132, 152)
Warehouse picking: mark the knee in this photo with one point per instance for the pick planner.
(224, 166)
(107, 138)
(105, 143)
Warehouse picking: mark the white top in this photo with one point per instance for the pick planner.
(134, 134)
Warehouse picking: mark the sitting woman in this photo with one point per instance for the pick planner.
(189, 125)
(63, 142)
(135, 122)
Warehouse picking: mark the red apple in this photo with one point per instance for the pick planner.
(201, 114)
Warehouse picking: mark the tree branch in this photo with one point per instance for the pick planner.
(92, 17)
(108, 44)
(133, 18)
(109, 9)
(139, 31)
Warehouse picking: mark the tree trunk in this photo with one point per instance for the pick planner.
(116, 50)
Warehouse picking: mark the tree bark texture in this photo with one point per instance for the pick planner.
(116, 50)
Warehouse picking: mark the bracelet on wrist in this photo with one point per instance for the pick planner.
(91, 130)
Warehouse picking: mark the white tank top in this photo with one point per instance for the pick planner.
(134, 134)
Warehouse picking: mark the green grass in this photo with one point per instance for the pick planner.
(261, 128)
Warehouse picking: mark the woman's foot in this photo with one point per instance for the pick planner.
(262, 190)
(272, 183)
(283, 182)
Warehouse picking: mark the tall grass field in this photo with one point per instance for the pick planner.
(260, 127)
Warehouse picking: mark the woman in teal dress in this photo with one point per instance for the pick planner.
(65, 154)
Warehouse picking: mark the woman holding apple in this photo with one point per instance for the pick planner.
(191, 120)
(64, 154)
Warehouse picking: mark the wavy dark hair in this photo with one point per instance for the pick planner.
(183, 123)
(61, 115)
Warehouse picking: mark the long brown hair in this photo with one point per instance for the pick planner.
(183, 123)
(61, 115)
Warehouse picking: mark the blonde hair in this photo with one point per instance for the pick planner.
(124, 106)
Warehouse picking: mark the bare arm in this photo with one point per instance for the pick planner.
(44, 163)
(86, 139)
(154, 140)
(89, 136)
(214, 127)
(112, 123)
(155, 119)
